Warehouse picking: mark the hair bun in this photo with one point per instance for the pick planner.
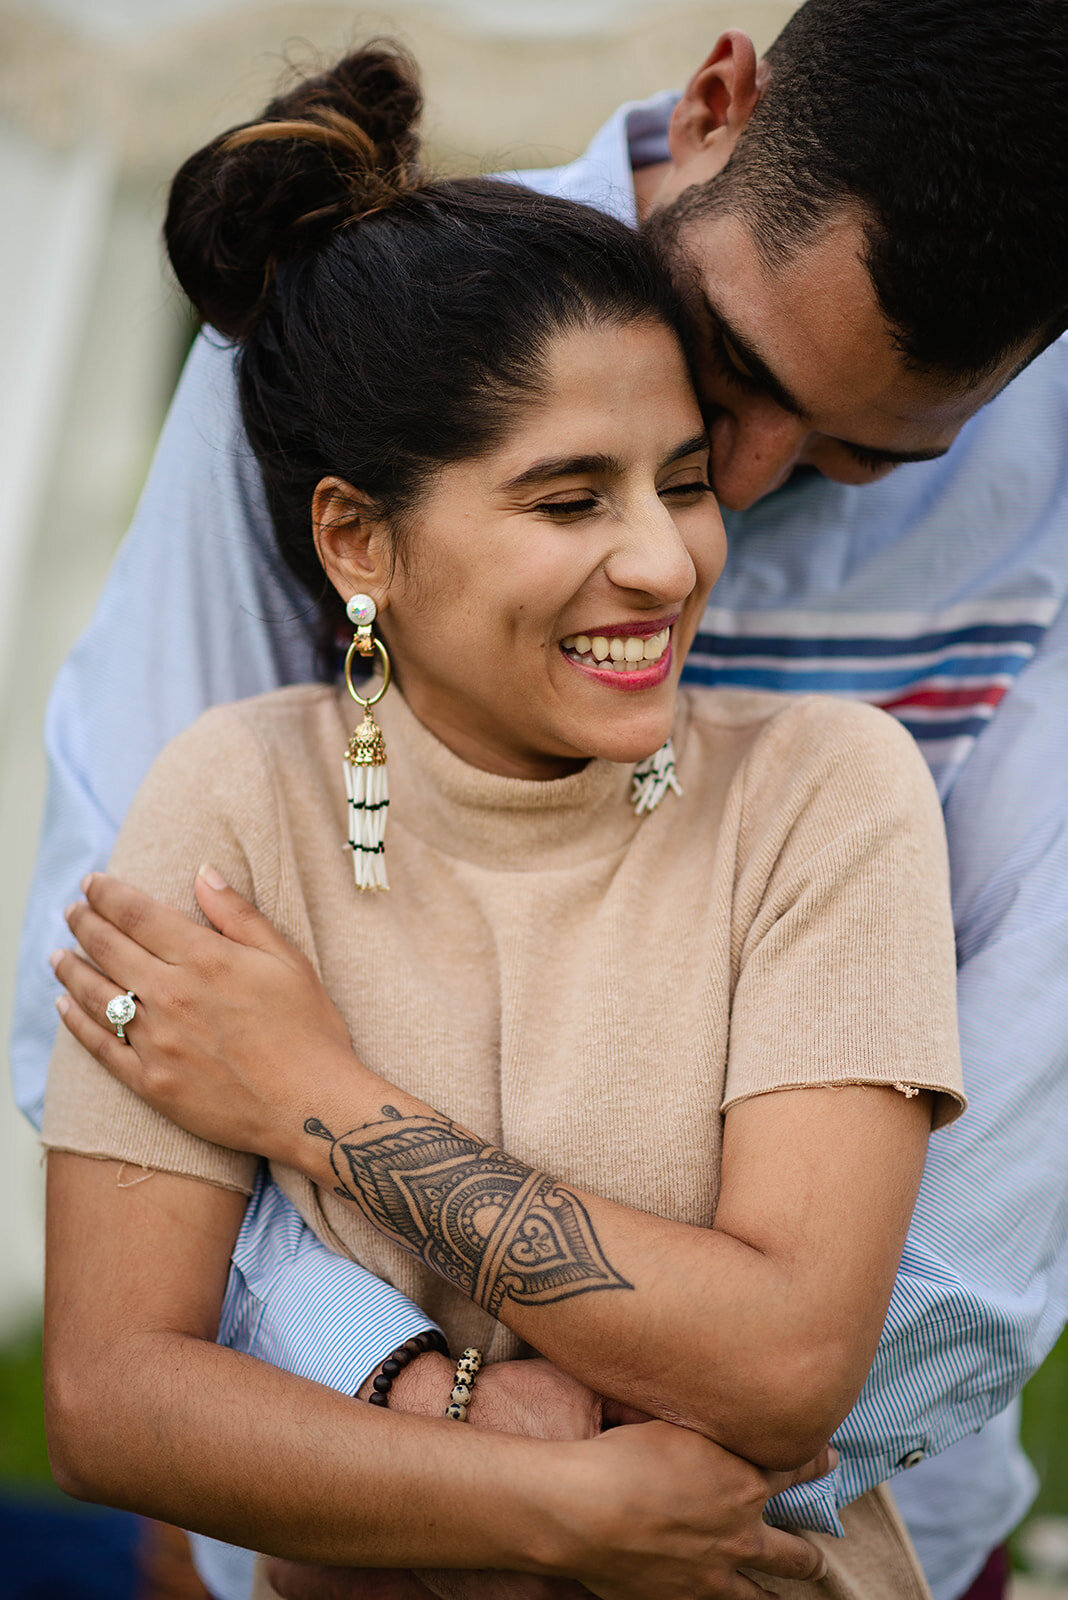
(336, 147)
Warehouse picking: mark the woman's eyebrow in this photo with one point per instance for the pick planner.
(689, 447)
(550, 467)
(564, 467)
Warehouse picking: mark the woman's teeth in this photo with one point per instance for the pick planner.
(618, 654)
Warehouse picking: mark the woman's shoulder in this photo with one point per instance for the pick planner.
(815, 734)
(223, 775)
(285, 723)
(792, 716)
(266, 716)
(807, 768)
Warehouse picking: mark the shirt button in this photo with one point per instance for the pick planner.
(913, 1459)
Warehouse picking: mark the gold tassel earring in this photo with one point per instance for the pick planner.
(366, 783)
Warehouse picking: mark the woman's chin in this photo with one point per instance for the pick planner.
(631, 741)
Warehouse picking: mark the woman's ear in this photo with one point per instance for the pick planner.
(352, 541)
(717, 102)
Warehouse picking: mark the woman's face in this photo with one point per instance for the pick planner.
(551, 589)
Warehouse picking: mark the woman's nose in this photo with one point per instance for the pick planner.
(754, 448)
(650, 556)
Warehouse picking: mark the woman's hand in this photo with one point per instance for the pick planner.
(669, 1514)
(234, 1035)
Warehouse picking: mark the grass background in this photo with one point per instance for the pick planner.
(1045, 1431)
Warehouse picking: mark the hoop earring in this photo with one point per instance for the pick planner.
(366, 783)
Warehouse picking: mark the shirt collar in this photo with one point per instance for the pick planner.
(634, 136)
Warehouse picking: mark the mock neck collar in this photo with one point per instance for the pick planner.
(508, 824)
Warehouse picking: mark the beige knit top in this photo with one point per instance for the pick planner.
(588, 989)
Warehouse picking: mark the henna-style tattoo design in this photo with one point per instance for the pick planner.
(497, 1229)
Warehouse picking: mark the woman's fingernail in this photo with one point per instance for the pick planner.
(86, 881)
(69, 911)
(211, 877)
(55, 958)
(63, 1005)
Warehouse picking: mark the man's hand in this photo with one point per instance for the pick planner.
(532, 1398)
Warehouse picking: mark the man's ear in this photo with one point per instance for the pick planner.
(352, 541)
(718, 100)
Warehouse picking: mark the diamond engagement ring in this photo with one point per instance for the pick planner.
(120, 1011)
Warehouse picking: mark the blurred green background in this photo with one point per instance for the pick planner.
(1045, 1431)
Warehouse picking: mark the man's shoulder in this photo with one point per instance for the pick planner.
(602, 176)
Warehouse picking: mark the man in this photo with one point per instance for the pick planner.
(868, 227)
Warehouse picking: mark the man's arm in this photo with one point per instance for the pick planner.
(198, 609)
(982, 1293)
(291, 1302)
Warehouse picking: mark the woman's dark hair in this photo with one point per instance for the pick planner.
(388, 322)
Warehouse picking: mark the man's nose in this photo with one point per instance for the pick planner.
(754, 449)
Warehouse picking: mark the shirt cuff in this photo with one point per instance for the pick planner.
(812, 1506)
(295, 1304)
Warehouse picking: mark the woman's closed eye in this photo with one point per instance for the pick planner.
(687, 493)
(580, 505)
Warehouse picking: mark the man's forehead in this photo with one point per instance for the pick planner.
(814, 325)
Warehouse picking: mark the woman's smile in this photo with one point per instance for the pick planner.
(626, 656)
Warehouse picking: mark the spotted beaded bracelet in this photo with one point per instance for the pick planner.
(418, 1345)
(463, 1385)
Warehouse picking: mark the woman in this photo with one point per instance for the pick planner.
(472, 408)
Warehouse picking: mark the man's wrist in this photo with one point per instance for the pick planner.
(421, 1389)
(538, 1506)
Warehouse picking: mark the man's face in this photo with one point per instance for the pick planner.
(797, 367)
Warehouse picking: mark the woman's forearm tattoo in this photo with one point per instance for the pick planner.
(497, 1229)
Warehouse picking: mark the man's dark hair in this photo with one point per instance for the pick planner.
(947, 120)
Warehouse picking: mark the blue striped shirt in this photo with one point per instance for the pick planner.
(938, 593)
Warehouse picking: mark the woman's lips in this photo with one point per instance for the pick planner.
(637, 628)
(626, 661)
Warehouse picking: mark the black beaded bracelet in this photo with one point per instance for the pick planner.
(419, 1345)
